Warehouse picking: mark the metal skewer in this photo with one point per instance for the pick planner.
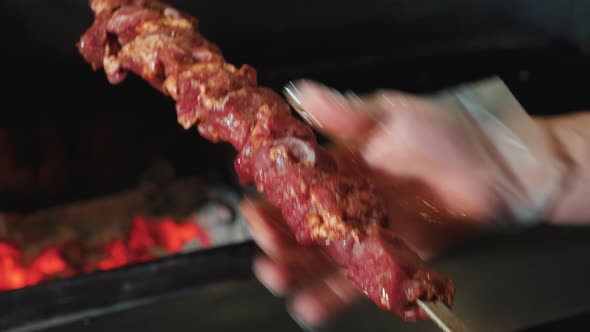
(442, 316)
(438, 312)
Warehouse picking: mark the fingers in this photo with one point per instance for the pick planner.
(401, 133)
(324, 299)
(273, 236)
(397, 132)
(286, 262)
(328, 111)
(391, 130)
(316, 289)
(277, 278)
(267, 228)
(315, 299)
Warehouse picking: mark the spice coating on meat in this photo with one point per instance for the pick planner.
(276, 152)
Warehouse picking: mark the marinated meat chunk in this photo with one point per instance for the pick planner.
(321, 203)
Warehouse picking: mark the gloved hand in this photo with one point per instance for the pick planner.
(473, 145)
(465, 157)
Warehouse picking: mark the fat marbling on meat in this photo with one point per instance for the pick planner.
(278, 153)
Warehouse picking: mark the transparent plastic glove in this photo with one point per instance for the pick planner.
(474, 145)
(444, 164)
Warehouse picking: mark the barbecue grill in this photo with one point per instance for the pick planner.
(68, 146)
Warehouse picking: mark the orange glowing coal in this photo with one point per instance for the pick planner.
(143, 238)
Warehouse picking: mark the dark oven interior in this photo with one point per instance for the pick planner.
(98, 184)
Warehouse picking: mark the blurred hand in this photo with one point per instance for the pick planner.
(429, 163)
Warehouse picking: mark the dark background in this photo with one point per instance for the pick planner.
(66, 134)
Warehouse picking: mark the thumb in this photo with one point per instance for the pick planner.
(334, 115)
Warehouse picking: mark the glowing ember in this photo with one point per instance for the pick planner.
(6, 250)
(174, 236)
(12, 275)
(69, 259)
(140, 237)
(49, 262)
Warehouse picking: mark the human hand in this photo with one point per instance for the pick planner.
(440, 171)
